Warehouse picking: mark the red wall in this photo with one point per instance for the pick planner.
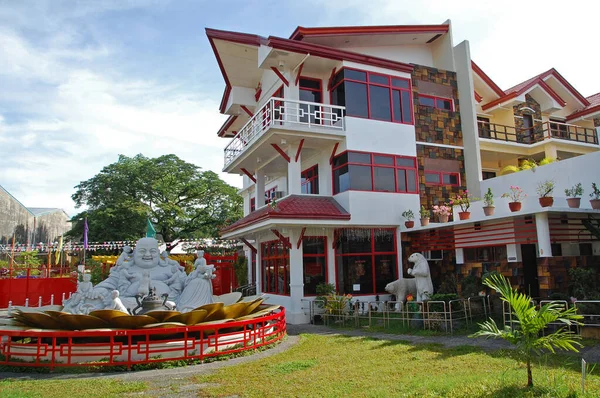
(17, 290)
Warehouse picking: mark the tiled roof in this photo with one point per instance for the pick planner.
(295, 207)
(593, 107)
(594, 100)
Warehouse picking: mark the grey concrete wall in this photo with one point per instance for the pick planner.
(15, 218)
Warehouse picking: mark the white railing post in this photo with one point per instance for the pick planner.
(26, 302)
(51, 299)
(63, 298)
(40, 301)
(10, 308)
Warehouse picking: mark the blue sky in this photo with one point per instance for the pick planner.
(84, 81)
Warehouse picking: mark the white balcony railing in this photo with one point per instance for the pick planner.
(282, 112)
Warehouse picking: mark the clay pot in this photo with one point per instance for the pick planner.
(595, 204)
(546, 201)
(489, 210)
(444, 219)
(409, 224)
(424, 221)
(574, 202)
(515, 206)
(464, 215)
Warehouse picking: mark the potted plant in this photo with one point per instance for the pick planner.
(544, 190)
(464, 201)
(488, 200)
(409, 215)
(595, 195)
(443, 212)
(516, 196)
(424, 213)
(574, 195)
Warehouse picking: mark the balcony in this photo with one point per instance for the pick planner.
(546, 130)
(285, 114)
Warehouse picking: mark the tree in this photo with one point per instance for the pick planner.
(531, 321)
(181, 200)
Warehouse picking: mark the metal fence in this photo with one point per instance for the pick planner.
(428, 315)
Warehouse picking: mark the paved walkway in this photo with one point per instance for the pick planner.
(168, 382)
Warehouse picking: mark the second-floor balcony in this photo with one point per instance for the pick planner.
(537, 133)
(285, 114)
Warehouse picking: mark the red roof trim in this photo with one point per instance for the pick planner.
(583, 112)
(223, 130)
(487, 79)
(567, 85)
(317, 50)
(539, 82)
(478, 97)
(301, 31)
(235, 37)
(294, 207)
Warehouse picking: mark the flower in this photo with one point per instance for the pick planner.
(409, 297)
(463, 200)
(442, 210)
(515, 194)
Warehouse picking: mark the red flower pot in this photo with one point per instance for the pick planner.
(489, 210)
(546, 201)
(515, 206)
(595, 204)
(409, 224)
(464, 215)
(574, 202)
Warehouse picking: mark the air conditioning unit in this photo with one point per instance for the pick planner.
(433, 254)
(278, 194)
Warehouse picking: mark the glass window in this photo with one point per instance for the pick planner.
(427, 101)
(380, 103)
(314, 263)
(388, 160)
(275, 268)
(379, 79)
(450, 179)
(365, 260)
(356, 99)
(310, 181)
(353, 74)
(373, 176)
(433, 178)
(349, 89)
(401, 83)
(384, 179)
(443, 104)
(360, 177)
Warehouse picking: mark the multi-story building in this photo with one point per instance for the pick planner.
(337, 131)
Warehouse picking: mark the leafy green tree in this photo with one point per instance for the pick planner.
(531, 321)
(181, 200)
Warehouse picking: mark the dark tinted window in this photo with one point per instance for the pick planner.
(380, 103)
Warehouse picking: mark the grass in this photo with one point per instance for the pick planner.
(100, 388)
(336, 366)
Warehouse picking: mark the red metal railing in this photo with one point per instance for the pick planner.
(52, 349)
(27, 289)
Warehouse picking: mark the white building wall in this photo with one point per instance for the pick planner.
(378, 136)
(408, 54)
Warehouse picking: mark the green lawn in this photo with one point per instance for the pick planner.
(338, 366)
(100, 388)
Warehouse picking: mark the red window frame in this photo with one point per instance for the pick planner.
(274, 254)
(441, 178)
(395, 166)
(314, 180)
(391, 88)
(268, 198)
(372, 253)
(435, 100)
(320, 255)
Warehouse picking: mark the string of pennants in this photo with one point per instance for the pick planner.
(186, 244)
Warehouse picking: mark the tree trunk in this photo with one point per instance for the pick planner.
(529, 376)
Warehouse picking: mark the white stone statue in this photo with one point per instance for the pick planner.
(402, 288)
(138, 270)
(422, 276)
(117, 304)
(197, 286)
(83, 300)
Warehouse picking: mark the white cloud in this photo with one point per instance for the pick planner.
(511, 40)
(66, 117)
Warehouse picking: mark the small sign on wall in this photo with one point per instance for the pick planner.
(356, 287)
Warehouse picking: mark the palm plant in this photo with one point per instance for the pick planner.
(531, 321)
